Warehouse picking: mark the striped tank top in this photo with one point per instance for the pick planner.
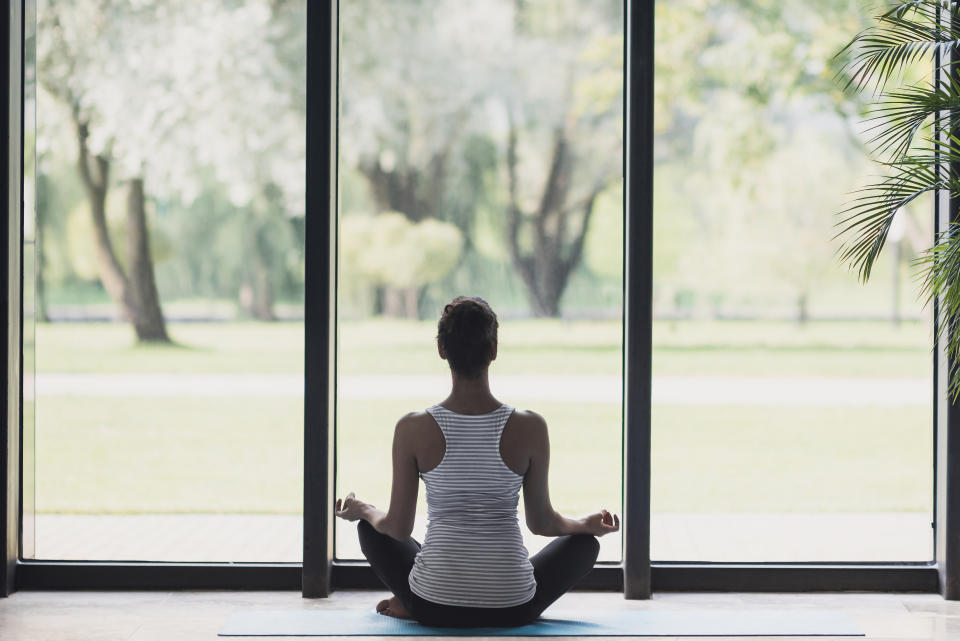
(473, 553)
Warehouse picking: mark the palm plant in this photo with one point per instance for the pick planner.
(915, 132)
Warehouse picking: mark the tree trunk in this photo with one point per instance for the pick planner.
(416, 193)
(40, 291)
(895, 281)
(411, 297)
(398, 190)
(111, 274)
(261, 307)
(545, 268)
(137, 294)
(146, 315)
(545, 301)
(379, 300)
(542, 308)
(394, 302)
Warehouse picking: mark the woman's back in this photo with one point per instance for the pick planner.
(473, 553)
(472, 569)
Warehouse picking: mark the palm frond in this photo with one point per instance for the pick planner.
(938, 269)
(907, 32)
(866, 221)
(944, 151)
(927, 8)
(923, 161)
(897, 120)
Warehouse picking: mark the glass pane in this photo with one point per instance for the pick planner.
(169, 342)
(792, 416)
(444, 105)
(29, 266)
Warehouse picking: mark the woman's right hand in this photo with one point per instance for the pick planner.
(601, 523)
(350, 508)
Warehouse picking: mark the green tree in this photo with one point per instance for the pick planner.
(564, 138)
(389, 250)
(444, 103)
(71, 36)
(160, 91)
(756, 144)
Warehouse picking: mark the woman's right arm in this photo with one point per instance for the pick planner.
(397, 521)
(541, 518)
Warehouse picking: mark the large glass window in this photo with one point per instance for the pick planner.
(791, 405)
(169, 277)
(480, 154)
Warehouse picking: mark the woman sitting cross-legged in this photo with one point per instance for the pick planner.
(473, 453)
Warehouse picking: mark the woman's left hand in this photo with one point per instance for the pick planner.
(349, 508)
(601, 523)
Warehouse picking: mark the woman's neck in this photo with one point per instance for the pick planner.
(471, 395)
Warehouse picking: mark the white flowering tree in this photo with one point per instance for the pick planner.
(153, 93)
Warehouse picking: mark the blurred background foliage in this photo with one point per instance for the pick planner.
(480, 151)
(460, 170)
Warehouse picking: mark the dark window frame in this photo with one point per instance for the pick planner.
(11, 120)
(319, 574)
(946, 411)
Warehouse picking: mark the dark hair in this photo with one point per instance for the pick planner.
(467, 332)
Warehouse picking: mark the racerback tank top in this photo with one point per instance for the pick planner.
(473, 553)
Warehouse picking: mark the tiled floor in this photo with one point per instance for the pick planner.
(189, 616)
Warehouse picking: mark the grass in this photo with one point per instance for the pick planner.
(527, 346)
(804, 460)
(127, 455)
(120, 455)
(268, 348)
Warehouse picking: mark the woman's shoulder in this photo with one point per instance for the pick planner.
(415, 421)
(413, 428)
(528, 418)
(526, 425)
(524, 435)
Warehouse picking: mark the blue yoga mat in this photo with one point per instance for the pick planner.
(607, 623)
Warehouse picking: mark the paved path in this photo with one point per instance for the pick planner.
(667, 390)
(744, 537)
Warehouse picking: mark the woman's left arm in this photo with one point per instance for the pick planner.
(396, 522)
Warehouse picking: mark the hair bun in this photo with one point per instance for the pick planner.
(467, 332)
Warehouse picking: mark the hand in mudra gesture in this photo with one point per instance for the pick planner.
(601, 523)
(350, 508)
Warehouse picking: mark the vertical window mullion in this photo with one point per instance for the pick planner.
(946, 412)
(11, 24)
(638, 295)
(320, 297)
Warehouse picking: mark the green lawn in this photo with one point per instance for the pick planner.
(238, 454)
(527, 346)
(169, 455)
(199, 348)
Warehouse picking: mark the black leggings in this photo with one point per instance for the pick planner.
(557, 568)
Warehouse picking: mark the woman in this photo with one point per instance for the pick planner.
(473, 453)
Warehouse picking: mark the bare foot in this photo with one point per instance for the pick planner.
(393, 608)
